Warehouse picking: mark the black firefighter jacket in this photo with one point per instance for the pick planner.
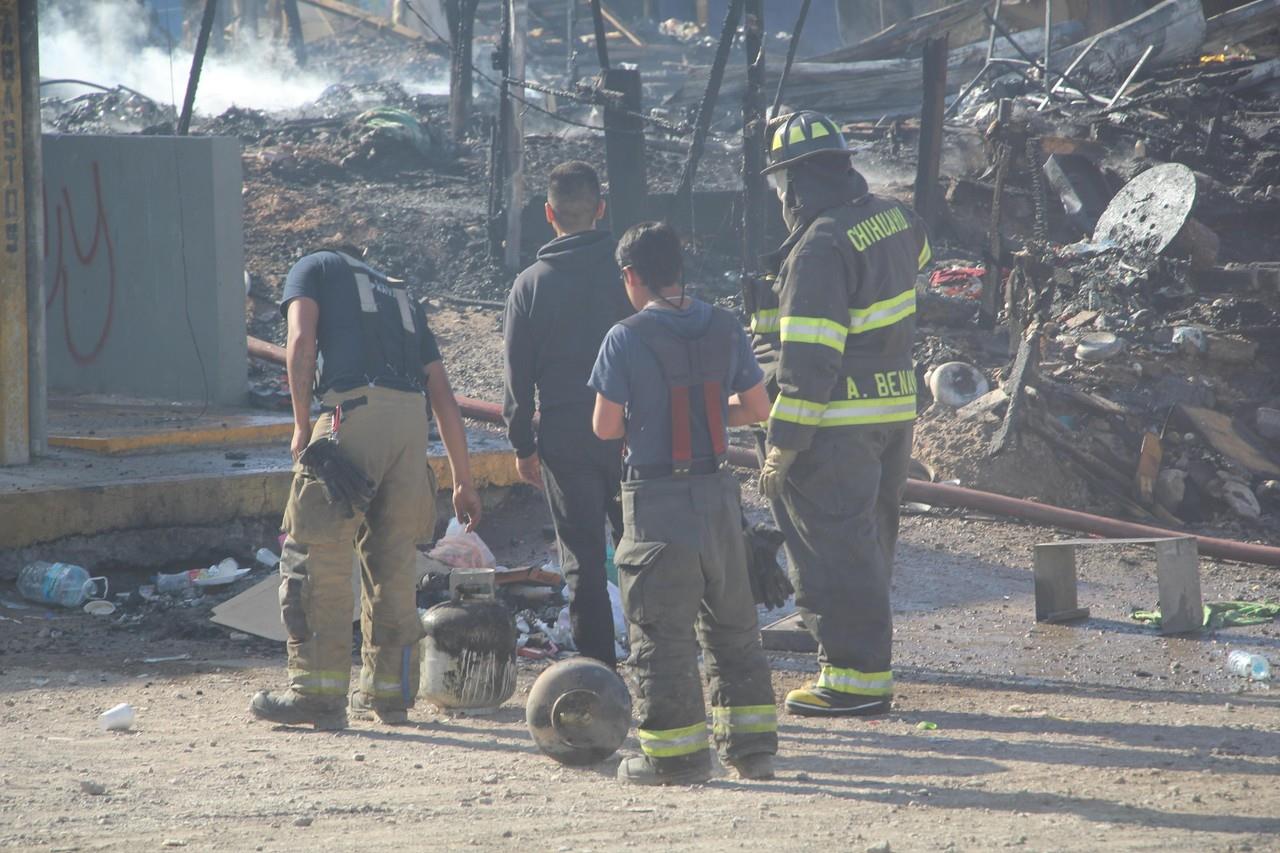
(834, 330)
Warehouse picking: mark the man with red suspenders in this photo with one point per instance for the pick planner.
(669, 379)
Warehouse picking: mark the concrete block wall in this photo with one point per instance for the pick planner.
(144, 258)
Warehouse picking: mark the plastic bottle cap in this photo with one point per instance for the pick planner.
(100, 608)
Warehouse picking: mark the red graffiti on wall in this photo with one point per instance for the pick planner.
(85, 270)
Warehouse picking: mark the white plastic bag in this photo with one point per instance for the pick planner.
(459, 549)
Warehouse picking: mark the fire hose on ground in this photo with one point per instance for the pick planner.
(939, 494)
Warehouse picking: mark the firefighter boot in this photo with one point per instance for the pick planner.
(683, 770)
(362, 709)
(294, 709)
(815, 701)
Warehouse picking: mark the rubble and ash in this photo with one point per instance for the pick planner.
(1196, 324)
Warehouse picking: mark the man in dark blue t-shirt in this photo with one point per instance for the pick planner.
(376, 359)
(670, 379)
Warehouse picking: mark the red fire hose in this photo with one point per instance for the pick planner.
(941, 494)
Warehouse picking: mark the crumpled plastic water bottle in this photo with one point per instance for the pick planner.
(1255, 667)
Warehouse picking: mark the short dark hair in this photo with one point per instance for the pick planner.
(573, 191)
(654, 251)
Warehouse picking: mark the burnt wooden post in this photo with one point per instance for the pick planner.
(684, 192)
(297, 43)
(197, 63)
(462, 21)
(753, 137)
(602, 45)
(624, 149)
(514, 202)
(498, 140)
(929, 158)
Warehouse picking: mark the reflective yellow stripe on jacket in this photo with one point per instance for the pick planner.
(883, 410)
(672, 743)
(765, 322)
(814, 330)
(886, 312)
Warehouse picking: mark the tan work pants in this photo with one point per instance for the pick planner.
(386, 438)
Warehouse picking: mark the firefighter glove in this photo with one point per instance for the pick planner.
(774, 472)
(769, 583)
(345, 485)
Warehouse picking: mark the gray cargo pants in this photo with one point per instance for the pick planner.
(682, 565)
(839, 514)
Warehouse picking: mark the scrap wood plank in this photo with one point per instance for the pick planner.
(617, 24)
(1232, 440)
(1084, 399)
(1149, 466)
(529, 574)
(1024, 367)
(355, 13)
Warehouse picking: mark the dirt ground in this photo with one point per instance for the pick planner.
(1097, 735)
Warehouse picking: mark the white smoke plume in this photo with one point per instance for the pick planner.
(110, 42)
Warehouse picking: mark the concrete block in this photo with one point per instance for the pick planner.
(145, 269)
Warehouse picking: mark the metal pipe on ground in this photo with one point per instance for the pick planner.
(939, 494)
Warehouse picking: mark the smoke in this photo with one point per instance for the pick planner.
(111, 42)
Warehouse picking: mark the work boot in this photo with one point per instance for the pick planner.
(685, 770)
(295, 709)
(361, 709)
(815, 701)
(756, 767)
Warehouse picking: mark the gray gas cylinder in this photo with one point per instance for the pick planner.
(469, 647)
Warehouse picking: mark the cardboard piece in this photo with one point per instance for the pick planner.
(257, 610)
(788, 634)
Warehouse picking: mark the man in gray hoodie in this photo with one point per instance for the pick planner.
(558, 313)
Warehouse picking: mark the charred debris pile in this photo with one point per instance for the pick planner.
(1099, 325)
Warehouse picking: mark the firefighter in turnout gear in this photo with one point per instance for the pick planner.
(361, 478)
(833, 329)
(670, 379)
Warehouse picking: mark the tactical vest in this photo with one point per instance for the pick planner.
(390, 338)
(694, 372)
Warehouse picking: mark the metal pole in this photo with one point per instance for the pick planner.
(1048, 40)
(197, 62)
(602, 46)
(33, 176)
(991, 39)
(1132, 76)
(702, 125)
(15, 443)
(791, 56)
